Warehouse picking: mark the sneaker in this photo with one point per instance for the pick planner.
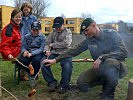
(52, 88)
(73, 87)
(61, 90)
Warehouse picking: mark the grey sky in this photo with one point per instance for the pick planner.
(101, 10)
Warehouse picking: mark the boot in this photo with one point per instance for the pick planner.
(106, 97)
(83, 87)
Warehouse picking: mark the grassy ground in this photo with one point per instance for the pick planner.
(21, 90)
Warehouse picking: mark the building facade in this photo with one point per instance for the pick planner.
(71, 23)
(5, 14)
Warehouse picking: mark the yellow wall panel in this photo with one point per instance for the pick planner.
(6, 14)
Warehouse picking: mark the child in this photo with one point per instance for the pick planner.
(27, 18)
(32, 50)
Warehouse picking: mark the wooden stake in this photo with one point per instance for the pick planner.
(0, 87)
(32, 97)
(130, 90)
(83, 60)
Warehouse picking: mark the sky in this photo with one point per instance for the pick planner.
(101, 10)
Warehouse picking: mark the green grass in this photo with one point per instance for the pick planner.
(21, 90)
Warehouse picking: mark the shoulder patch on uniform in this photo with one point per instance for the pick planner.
(9, 30)
(110, 30)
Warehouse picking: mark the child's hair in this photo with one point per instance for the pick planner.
(15, 12)
(27, 4)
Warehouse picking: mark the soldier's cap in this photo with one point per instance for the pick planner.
(85, 24)
(58, 22)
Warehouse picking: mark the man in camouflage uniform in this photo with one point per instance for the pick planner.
(109, 53)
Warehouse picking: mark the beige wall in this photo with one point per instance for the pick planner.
(5, 14)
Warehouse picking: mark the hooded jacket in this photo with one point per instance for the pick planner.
(10, 40)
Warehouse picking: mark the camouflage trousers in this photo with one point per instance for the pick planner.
(107, 75)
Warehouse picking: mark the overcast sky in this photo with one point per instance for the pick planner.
(101, 10)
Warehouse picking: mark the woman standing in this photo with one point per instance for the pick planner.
(10, 45)
(27, 18)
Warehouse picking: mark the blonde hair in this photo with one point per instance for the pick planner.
(27, 4)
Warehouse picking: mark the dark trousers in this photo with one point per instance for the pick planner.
(34, 60)
(107, 75)
(66, 66)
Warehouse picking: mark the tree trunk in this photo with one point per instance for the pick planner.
(130, 90)
(0, 87)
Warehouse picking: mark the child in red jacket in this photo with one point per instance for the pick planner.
(10, 45)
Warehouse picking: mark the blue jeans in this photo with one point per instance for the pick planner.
(66, 65)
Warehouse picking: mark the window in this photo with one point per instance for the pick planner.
(47, 22)
(71, 28)
(69, 21)
(47, 29)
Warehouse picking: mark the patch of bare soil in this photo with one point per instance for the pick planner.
(45, 95)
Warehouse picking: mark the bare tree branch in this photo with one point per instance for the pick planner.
(39, 6)
(62, 15)
(86, 15)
